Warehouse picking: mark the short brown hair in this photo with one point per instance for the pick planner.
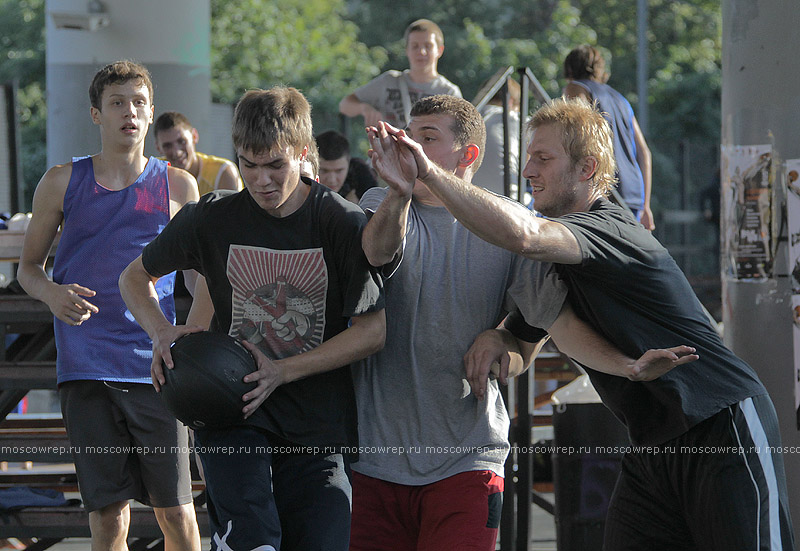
(426, 26)
(276, 118)
(583, 63)
(468, 126)
(118, 72)
(170, 119)
(584, 133)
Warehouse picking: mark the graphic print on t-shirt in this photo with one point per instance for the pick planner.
(278, 298)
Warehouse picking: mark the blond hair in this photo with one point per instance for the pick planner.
(584, 133)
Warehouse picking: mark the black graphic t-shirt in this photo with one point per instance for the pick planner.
(286, 285)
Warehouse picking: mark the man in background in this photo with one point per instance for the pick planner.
(176, 140)
(389, 96)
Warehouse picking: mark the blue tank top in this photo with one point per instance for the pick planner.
(619, 114)
(102, 232)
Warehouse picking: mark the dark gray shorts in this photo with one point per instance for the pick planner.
(125, 444)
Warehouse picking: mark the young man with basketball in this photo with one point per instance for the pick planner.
(287, 276)
(108, 206)
(709, 473)
(444, 288)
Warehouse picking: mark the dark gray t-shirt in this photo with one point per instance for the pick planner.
(418, 422)
(630, 290)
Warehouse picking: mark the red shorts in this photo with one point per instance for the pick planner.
(460, 513)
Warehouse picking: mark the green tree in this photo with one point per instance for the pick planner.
(22, 60)
(302, 43)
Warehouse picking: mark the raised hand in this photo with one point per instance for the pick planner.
(424, 165)
(394, 163)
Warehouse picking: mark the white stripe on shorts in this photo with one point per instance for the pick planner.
(765, 457)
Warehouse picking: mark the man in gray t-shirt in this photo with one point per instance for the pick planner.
(389, 96)
(433, 428)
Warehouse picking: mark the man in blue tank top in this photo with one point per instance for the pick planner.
(109, 206)
(585, 69)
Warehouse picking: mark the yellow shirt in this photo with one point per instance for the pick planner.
(211, 168)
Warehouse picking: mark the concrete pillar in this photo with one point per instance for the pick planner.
(170, 38)
(760, 103)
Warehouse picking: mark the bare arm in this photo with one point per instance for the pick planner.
(384, 233)
(351, 106)
(65, 301)
(137, 288)
(579, 341)
(498, 352)
(230, 179)
(645, 160)
(499, 221)
(182, 189)
(202, 309)
(365, 336)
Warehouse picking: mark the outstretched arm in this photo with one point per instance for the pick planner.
(494, 349)
(495, 219)
(579, 341)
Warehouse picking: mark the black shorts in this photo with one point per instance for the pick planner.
(720, 486)
(125, 444)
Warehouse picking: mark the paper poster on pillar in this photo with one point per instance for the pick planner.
(746, 207)
(792, 179)
(796, 343)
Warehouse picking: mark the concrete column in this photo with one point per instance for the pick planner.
(760, 103)
(170, 38)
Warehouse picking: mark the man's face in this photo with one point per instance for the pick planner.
(435, 134)
(423, 50)
(332, 174)
(273, 179)
(556, 185)
(177, 144)
(125, 112)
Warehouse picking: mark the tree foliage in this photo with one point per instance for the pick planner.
(327, 48)
(22, 60)
(302, 43)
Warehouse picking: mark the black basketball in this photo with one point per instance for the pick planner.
(205, 388)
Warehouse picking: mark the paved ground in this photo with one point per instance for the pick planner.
(544, 535)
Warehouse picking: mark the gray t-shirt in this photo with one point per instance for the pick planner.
(418, 422)
(384, 93)
(491, 173)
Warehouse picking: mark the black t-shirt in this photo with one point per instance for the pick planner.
(286, 285)
(629, 289)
